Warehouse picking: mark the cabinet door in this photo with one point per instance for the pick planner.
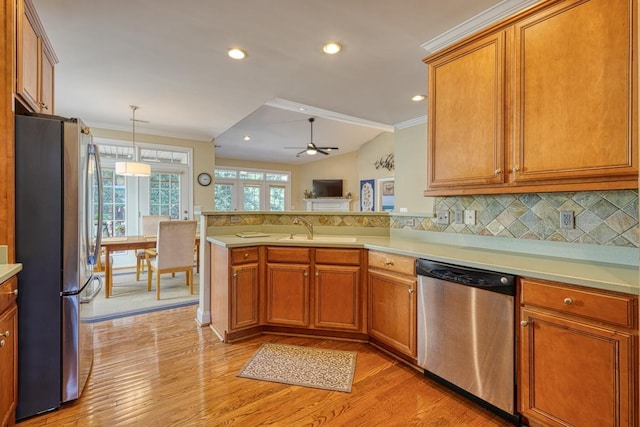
(337, 297)
(288, 294)
(244, 296)
(28, 57)
(575, 92)
(46, 86)
(575, 374)
(392, 311)
(8, 365)
(466, 115)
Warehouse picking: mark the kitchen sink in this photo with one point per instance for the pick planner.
(325, 239)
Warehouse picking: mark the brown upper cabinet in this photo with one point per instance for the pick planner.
(35, 61)
(543, 101)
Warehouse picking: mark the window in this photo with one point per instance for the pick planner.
(251, 189)
(164, 194)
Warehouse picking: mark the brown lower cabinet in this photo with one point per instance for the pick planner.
(578, 356)
(8, 352)
(392, 302)
(318, 288)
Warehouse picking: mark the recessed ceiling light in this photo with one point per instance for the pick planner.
(236, 53)
(247, 138)
(418, 98)
(332, 48)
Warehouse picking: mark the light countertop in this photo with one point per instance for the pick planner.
(8, 270)
(608, 276)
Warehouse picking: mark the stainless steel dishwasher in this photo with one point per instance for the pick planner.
(466, 322)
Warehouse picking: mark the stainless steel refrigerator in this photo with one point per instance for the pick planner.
(58, 207)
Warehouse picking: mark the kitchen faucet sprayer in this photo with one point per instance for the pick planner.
(306, 224)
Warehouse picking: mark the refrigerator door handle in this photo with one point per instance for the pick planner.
(88, 299)
(94, 153)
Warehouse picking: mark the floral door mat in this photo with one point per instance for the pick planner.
(302, 366)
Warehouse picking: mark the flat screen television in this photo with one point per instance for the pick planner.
(327, 187)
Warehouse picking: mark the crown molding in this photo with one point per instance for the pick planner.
(327, 114)
(411, 122)
(501, 10)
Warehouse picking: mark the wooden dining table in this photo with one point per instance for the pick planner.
(127, 243)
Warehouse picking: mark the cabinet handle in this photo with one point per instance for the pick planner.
(388, 262)
(235, 275)
(44, 106)
(516, 169)
(498, 171)
(410, 290)
(317, 274)
(2, 343)
(246, 255)
(306, 274)
(524, 323)
(13, 292)
(568, 301)
(6, 334)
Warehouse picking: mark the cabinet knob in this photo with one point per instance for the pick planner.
(498, 171)
(306, 274)
(235, 275)
(6, 334)
(524, 323)
(317, 274)
(246, 255)
(388, 262)
(410, 290)
(13, 292)
(568, 301)
(2, 343)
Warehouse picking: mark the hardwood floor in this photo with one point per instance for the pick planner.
(161, 369)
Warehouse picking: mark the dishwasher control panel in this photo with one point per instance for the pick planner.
(489, 280)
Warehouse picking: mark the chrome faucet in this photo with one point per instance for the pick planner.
(306, 224)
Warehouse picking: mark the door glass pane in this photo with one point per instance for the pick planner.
(164, 194)
(114, 218)
(276, 198)
(251, 197)
(223, 197)
(253, 175)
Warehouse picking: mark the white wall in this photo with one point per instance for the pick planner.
(411, 170)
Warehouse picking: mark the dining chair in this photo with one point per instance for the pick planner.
(173, 253)
(149, 228)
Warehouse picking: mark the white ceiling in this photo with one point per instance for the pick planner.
(169, 58)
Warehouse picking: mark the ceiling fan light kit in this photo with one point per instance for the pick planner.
(311, 149)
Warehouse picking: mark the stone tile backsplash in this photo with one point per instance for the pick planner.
(608, 218)
(353, 219)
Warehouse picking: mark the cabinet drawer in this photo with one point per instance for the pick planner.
(294, 255)
(392, 262)
(8, 292)
(609, 307)
(244, 255)
(338, 256)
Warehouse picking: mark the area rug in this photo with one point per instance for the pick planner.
(303, 366)
(130, 297)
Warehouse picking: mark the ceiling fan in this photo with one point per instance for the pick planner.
(311, 148)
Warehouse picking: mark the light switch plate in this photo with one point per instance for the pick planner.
(443, 217)
(470, 217)
(459, 217)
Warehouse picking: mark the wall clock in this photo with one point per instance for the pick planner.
(204, 179)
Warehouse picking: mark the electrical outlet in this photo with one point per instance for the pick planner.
(443, 217)
(458, 217)
(235, 219)
(470, 217)
(567, 220)
(409, 222)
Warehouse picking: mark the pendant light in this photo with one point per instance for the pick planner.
(134, 168)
